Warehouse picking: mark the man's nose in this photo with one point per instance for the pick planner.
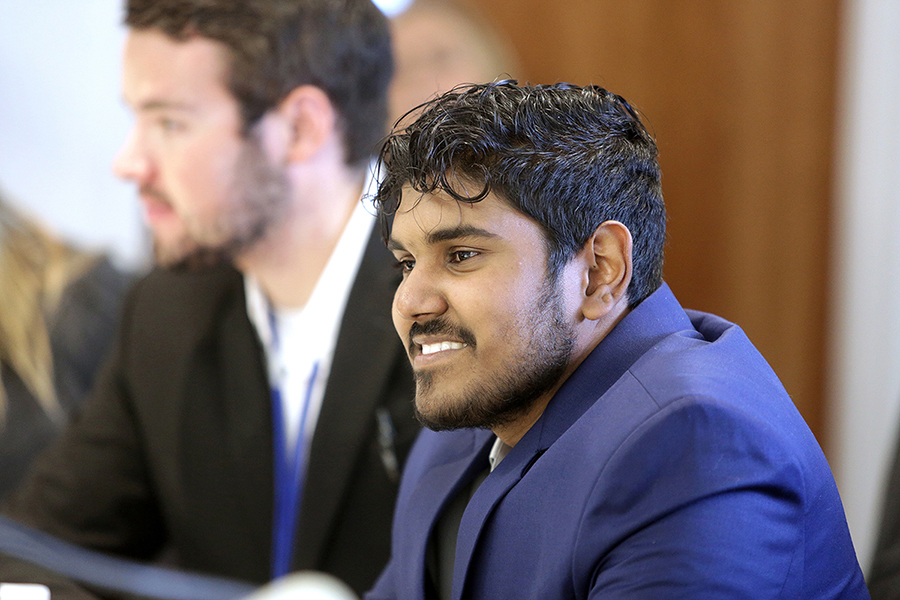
(419, 296)
(132, 160)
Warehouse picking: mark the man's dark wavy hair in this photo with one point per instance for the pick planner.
(569, 157)
(340, 46)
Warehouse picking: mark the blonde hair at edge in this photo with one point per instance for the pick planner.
(35, 268)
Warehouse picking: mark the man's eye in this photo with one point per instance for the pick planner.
(168, 125)
(459, 256)
(405, 266)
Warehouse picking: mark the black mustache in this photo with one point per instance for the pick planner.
(440, 326)
(154, 193)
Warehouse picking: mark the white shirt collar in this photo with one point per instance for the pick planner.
(498, 452)
(329, 297)
(307, 336)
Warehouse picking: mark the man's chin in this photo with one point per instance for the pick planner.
(436, 414)
(437, 422)
(188, 259)
(447, 414)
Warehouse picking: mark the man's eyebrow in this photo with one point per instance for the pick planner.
(460, 231)
(447, 234)
(153, 105)
(395, 246)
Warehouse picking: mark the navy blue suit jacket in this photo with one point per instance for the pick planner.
(671, 464)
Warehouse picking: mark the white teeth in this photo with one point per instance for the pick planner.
(440, 346)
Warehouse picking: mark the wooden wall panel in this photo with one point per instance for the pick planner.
(741, 97)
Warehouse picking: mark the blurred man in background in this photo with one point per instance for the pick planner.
(256, 411)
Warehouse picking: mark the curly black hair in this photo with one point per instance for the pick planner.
(569, 157)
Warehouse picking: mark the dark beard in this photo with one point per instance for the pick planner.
(198, 259)
(259, 201)
(508, 395)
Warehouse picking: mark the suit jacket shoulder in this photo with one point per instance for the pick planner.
(671, 464)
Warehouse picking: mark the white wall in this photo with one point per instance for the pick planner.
(865, 365)
(61, 120)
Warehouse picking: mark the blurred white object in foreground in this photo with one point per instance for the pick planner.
(304, 585)
(24, 591)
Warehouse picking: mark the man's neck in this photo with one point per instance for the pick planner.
(288, 262)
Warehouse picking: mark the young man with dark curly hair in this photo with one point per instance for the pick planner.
(591, 438)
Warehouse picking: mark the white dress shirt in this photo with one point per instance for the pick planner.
(306, 337)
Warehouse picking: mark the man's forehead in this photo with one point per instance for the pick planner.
(434, 217)
(411, 197)
(420, 214)
(159, 69)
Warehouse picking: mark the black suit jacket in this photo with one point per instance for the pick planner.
(884, 574)
(174, 449)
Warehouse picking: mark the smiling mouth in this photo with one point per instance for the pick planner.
(427, 340)
(441, 346)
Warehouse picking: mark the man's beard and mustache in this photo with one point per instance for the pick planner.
(502, 397)
(259, 199)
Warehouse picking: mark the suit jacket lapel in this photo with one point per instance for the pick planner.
(248, 425)
(437, 487)
(363, 360)
(501, 480)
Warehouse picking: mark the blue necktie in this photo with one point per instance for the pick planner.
(290, 469)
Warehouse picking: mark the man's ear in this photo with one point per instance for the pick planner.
(608, 265)
(311, 119)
